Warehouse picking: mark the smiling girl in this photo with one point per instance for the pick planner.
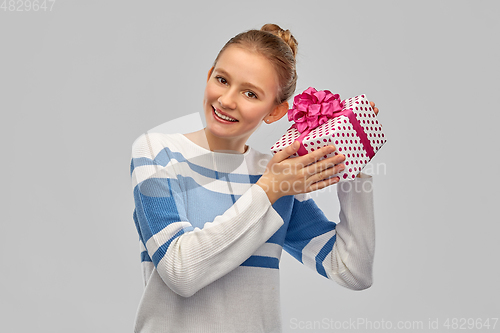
(213, 214)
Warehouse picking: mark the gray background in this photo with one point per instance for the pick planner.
(79, 83)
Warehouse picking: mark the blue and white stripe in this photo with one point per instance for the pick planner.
(158, 168)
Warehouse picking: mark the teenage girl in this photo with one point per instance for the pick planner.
(213, 214)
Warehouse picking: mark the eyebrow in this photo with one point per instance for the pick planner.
(246, 84)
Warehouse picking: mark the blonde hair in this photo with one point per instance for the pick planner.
(279, 47)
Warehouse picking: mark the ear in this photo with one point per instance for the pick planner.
(278, 112)
(210, 71)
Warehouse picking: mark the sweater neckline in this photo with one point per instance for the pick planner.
(215, 153)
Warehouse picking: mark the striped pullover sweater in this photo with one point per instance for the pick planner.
(211, 241)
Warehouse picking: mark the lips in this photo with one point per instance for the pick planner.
(223, 116)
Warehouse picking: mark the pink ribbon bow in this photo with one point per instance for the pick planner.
(313, 108)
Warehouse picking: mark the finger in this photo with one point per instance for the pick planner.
(287, 152)
(322, 184)
(325, 174)
(331, 161)
(316, 155)
(375, 109)
(325, 164)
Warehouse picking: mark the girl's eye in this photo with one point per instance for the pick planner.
(250, 94)
(221, 79)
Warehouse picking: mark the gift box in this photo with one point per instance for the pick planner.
(321, 118)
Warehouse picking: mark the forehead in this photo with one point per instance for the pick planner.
(248, 66)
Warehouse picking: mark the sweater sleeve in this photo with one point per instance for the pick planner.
(342, 251)
(188, 258)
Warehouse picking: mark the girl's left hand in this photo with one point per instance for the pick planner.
(374, 108)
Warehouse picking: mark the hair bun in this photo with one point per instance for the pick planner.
(285, 35)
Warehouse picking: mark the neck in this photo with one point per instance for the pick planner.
(232, 146)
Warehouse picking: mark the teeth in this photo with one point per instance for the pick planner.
(223, 116)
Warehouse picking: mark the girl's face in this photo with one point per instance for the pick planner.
(241, 91)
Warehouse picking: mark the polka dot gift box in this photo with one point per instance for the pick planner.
(321, 118)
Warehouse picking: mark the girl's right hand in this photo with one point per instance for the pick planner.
(303, 174)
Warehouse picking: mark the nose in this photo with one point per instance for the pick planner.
(227, 100)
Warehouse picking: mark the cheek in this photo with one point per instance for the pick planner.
(207, 95)
(210, 92)
(258, 114)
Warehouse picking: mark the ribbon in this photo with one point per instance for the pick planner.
(313, 108)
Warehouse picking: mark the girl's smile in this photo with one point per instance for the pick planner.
(221, 116)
